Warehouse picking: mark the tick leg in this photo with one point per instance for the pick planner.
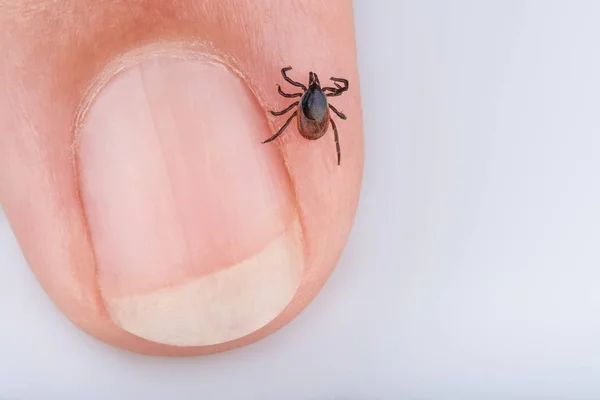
(338, 89)
(344, 81)
(298, 84)
(333, 89)
(286, 110)
(334, 92)
(280, 131)
(337, 140)
(281, 92)
(338, 113)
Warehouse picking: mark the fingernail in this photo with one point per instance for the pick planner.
(192, 220)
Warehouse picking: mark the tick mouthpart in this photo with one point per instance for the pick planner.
(313, 79)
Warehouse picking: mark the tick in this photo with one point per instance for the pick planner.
(312, 110)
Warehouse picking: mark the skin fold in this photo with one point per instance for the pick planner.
(53, 54)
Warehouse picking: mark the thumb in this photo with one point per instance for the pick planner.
(160, 223)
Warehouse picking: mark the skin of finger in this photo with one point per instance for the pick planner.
(51, 51)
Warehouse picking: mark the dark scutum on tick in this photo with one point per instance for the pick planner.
(313, 108)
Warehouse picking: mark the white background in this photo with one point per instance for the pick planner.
(473, 270)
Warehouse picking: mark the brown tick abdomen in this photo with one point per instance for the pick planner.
(312, 129)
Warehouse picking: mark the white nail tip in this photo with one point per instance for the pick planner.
(220, 307)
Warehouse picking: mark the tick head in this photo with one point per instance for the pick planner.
(313, 80)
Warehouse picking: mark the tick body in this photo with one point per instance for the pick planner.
(314, 115)
(312, 110)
